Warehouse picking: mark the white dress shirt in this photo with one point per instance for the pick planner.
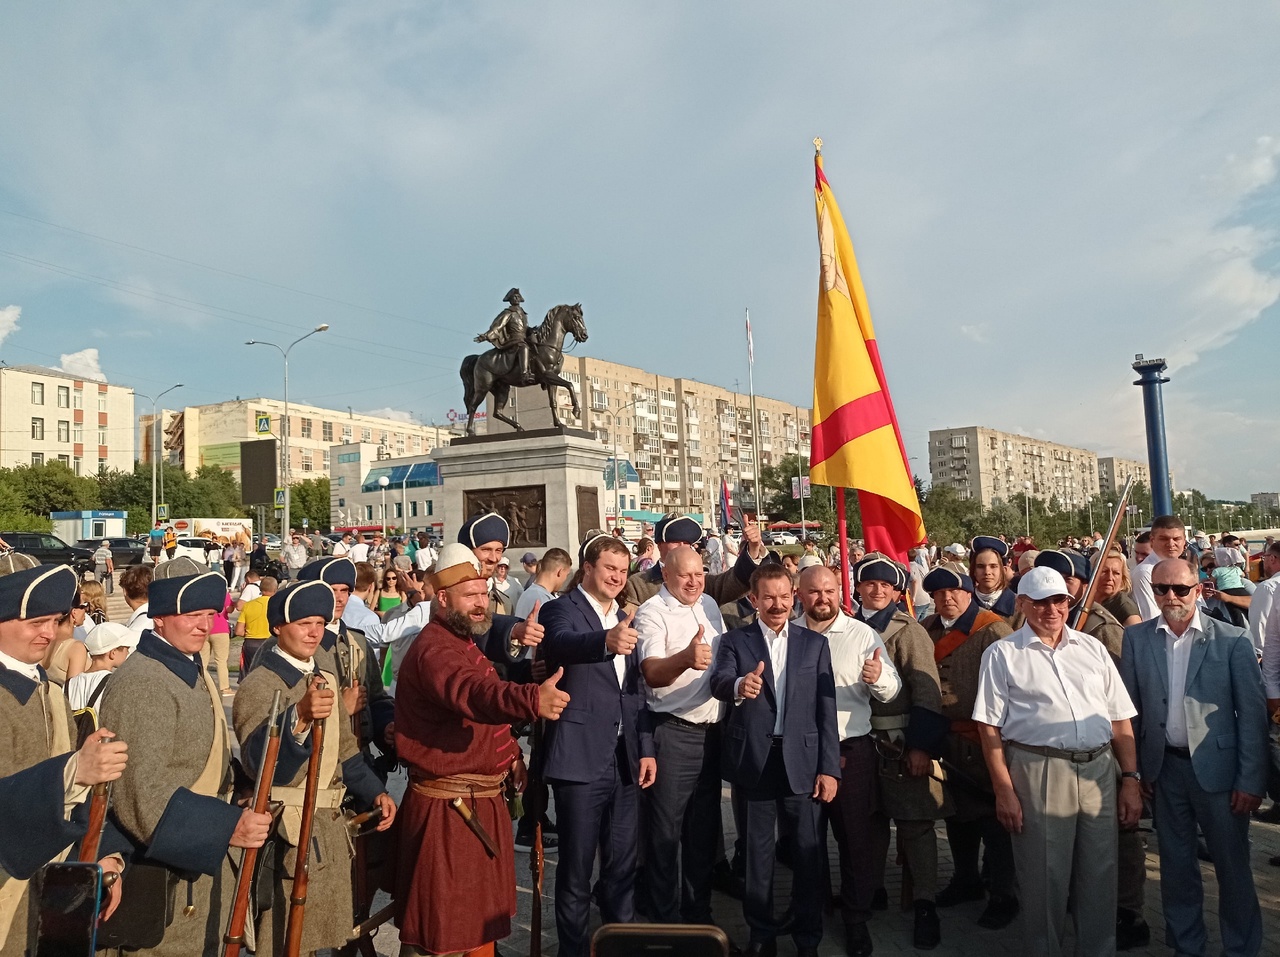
(608, 618)
(852, 643)
(140, 620)
(23, 668)
(666, 626)
(1142, 593)
(776, 645)
(1261, 608)
(1178, 653)
(1064, 697)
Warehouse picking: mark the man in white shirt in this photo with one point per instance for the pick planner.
(134, 582)
(1051, 709)
(679, 629)
(547, 584)
(1263, 606)
(862, 669)
(1203, 727)
(1168, 540)
(359, 551)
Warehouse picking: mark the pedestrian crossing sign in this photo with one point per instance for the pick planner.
(162, 513)
(264, 424)
(279, 498)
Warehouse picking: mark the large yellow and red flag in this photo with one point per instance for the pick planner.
(856, 442)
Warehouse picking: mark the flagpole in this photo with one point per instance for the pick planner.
(755, 422)
(843, 527)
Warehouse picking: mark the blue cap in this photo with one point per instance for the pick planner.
(679, 529)
(37, 592)
(1067, 564)
(878, 568)
(989, 543)
(303, 599)
(331, 571)
(941, 578)
(483, 529)
(185, 594)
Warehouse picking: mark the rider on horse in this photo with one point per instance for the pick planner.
(509, 331)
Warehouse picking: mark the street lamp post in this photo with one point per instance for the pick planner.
(285, 430)
(155, 436)
(613, 428)
(383, 482)
(1111, 514)
(1026, 498)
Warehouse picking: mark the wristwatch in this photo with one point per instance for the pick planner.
(1136, 775)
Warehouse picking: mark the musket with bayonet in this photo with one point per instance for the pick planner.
(1081, 614)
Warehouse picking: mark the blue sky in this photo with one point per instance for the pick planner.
(1035, 192)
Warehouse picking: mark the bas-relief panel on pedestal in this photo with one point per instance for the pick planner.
(523, 506)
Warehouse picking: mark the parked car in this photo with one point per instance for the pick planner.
(198, 550)
(124, 551)
(50, 550)
(785, 538)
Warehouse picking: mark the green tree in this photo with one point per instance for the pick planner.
(310, 499)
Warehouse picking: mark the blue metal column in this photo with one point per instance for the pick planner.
(1150, 379)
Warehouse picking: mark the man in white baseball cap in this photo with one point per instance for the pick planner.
(1054, 715)
(108, 644)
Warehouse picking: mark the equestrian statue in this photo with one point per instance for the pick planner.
(521, 356)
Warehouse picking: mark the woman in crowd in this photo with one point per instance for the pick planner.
(388, 596)
(218, 646)
(1115, 588)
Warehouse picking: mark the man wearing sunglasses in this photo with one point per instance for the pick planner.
(1202, 724)
(1053, 716)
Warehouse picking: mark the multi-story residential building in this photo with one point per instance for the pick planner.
(47, 415)
(1265, 499)
(681, 435)
(1114, 472)
(989, 465)
(411, 497)
(211, 434)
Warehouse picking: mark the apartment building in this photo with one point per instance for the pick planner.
(211, 434)
(47, 415)
(990, 465)
(1114, 472)
(1265, 499)
(680, 435)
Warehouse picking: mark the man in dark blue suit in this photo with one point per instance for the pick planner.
(782, 752)
(599, 754)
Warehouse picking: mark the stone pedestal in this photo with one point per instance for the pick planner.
(548, 484)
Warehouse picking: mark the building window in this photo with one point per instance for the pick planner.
(77, 433)
(366, 435)
(326, 431)
(37, 393)
(413, 509)
(324, 460)
(431, 507)
(77, 399)
(368, 513)
(345, 458)
(102, 465)
(346, 433)
(306, 428)
(64, 430)
(37, 429)
(102, 436)
(75, 466)
(65, 460)
(64, 397)
(102, 403)
(383, 440)
(306, 460)
(399, 510)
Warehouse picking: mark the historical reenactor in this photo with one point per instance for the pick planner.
(600, 756)
(509, 330)
(1054, 719)
(455, 888)
(782, 752)
(989, 569)
(172, 801)
(679, 630)
(298, 616)
(961, 631)
(909, 732)
(672, 531)
(863, 671)
(41, 778)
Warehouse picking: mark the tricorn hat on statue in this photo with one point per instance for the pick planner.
(513, 296)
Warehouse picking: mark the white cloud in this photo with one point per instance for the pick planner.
(978, 332)
(9, 317)
(83, 364)
(396, 415)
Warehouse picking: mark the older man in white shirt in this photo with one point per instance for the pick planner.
(1263, 606)
(1168, 540)
(679, 629)
(862, 669)
(1054, 718)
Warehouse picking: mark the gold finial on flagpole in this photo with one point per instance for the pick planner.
(817, 144)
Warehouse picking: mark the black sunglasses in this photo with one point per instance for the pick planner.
(1182, 591)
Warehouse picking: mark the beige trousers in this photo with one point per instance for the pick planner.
(219, 648)
(1067, 848)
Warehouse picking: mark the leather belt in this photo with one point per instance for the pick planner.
(448, 787)
(889, 722)
(1177, 751)
(1079, 756)
(666, 717)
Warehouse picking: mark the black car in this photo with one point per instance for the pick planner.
(124, 551)
(50, 549)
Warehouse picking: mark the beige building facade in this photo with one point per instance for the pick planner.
(47, 415)
(1114, 472)
(211, 434)
(990, 465)
(680, 435)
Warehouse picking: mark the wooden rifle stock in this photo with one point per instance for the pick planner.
(99, 801)
(298, 899)
(535, 790)
(361, 899)
(233, 940)
(1086, 601)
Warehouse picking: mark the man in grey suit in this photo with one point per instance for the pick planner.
(1202, 753)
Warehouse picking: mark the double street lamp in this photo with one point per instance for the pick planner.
(155, 443)
(284, 429)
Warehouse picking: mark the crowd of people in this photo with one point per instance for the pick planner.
(1042, 704)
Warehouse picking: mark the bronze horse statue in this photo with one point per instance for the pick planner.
(495, 372)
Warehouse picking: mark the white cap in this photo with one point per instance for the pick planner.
(1041, 583)
(807, 561)
(109, 636)
(955, 548)
(504, 560)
